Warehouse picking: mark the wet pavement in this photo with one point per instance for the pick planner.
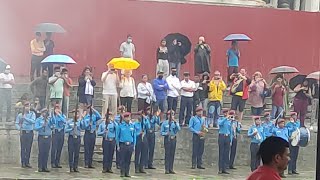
(182, 172)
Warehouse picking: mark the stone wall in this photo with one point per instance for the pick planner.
(10, 150)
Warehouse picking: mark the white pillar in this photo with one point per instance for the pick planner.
(274, 3)
(312, 5)
(296, 5)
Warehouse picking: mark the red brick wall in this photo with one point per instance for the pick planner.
(97, 27)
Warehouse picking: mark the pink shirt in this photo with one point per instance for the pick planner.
(256, 89)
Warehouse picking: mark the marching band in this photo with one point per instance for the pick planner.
(119, 133)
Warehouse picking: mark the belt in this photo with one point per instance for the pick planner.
(173, 137)
(45, 137)
(126, 143)
(108, 139)
(224, 135)
(26, 131)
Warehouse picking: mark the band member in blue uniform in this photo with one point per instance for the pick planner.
(107, 130)
(169, 129)
(256, 134)
(199, 128)
(58, 121)
(293, 125)
(235, 131)
(90, 118)
(154, 120)
(73, 129)
(126, 141)
(118, 119)
(24, 123)
(224, 141)
(44, 126)
(142, 125)
(267, 125)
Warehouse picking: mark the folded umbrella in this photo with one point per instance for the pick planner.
(314, 75)
(124, 63)
(237, 37)
(298, 79)
(185, 42)
(49, 27)
(59, 59)
(283, 70)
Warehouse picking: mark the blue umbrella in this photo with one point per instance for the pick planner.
(58, 59)
(237, 37)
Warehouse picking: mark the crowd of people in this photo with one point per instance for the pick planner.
(200, 97)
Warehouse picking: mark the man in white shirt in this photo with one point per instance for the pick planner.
(6, 82)
(188, 87)
(110, 81)
(173, 91)
(56, 83)
(127, 48)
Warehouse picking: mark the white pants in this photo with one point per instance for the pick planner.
(163, 65)
(109, 101)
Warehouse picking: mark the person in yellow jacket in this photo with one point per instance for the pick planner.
(216, 88)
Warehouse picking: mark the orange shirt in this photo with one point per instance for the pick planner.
(264, 173)
(37, 48)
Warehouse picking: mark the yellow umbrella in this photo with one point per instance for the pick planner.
(124, 63)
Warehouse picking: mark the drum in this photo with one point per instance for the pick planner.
(295, 137)
(304, 137)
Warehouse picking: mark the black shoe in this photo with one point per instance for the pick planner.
(225, 172)
(231, 167)
(142, 171)
(39, 170)
(172, 172)
(104, 171)
(75, 170)
(200, 167)
(53, 166)
(91, 167)
(45, 170)
(28, 166)
(295, 172)
(167, 172)
(109, 171)
(151, 167)
(193, 167)
(127, 175)
(71, 170)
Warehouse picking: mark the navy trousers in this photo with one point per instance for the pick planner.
(233, 151)
(185, 104)
(170, 150)
(125, 155)
(73, 151)
(118, 159)
(197, 150)
(255, 159)
(294, 151)
(224, 149)
(44, 143)
(108, 146)
(140, 154)
(89, 143)
(26, 139)
(151, 138)
(57, 145)
(172, 103)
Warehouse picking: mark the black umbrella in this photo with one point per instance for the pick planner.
(3, 65)
(298, 79)
(185, 42)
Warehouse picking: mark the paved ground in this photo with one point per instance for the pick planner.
(183, 172)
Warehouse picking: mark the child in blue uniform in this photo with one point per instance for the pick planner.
(292, 126)
(235, 131)
(154, 120)
(224, 141)
(256, 133)
(267, 125)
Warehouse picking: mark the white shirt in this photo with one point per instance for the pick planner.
(127, 49)
(144, 90)
(6, 78)
(128, 88)
(174, 86)
(109, 86)
(89, 88)
(189, 84)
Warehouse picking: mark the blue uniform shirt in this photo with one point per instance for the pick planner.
(126, 133)
(25, 122)
(292, 126)
(111, 127)
(281, 132)
(235, 129)
(117, 119)
(254, 139)
(139, 126)
(154, 120)
(174, 128)
(70, 127)
(267, 128)
(224, 125)
(58, 121)
(93, 119)
(196, 123)
(43, 131)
